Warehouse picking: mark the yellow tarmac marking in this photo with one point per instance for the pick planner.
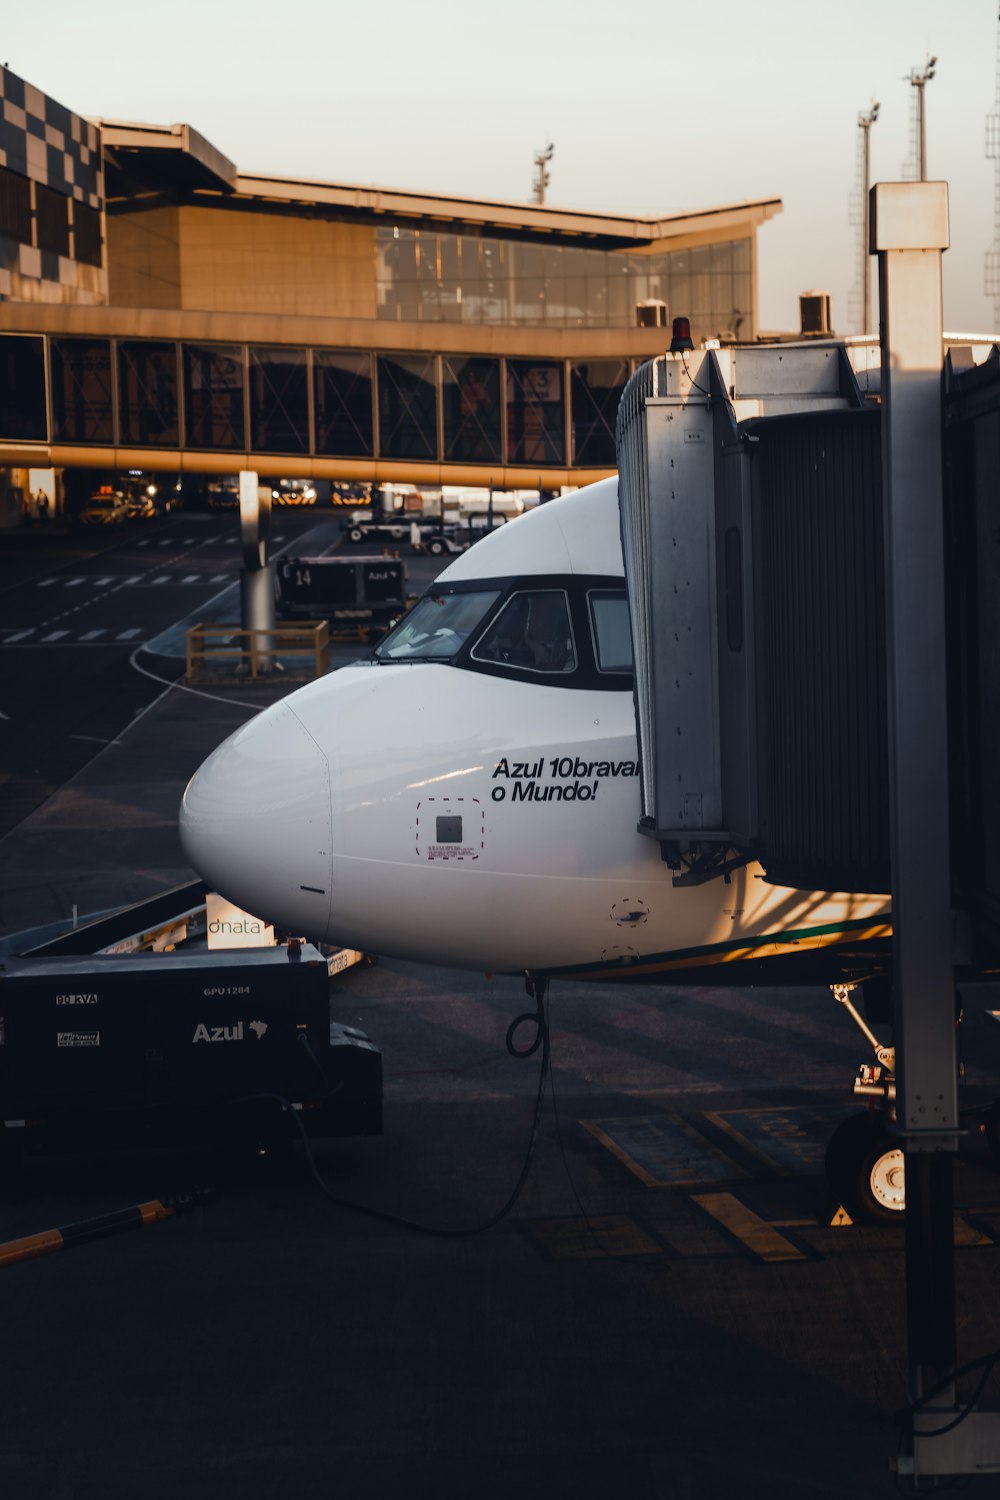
(763, 1239)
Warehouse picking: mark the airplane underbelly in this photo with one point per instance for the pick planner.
(488, 919)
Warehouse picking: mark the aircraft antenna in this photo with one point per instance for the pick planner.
(992, 282)
(541, 180)
(859, 302)
(915, 166)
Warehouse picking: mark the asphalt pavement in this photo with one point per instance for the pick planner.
(665, 1312)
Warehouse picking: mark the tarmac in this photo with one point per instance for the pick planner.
(665, 1312)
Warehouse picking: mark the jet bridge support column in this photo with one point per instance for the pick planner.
(257, 574)
(909, 232)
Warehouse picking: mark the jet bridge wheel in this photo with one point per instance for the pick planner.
(865, 1169)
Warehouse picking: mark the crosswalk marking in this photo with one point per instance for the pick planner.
(191, 578)
(145, 542)
(219, 578)
(92, 635)
(166, 542)
(100, 582)
(19, 635)
(47, 583)
(55, 635)
(136, 578)
(164, 579)
(189, 541)
(72, 583)
(128, 635)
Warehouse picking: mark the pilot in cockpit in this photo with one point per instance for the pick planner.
(532, 631)
(549, 633)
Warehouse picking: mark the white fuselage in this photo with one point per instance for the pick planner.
(480, 817)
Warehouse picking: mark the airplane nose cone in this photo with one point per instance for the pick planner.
(256, 823)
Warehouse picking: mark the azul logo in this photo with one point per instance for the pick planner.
(203, 1033)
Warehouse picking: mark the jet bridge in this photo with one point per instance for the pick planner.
(813, 587)
(750, 477)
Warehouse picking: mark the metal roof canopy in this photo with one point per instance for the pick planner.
(179, 156)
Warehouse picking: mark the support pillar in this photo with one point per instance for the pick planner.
(257, 574)
(909, 232)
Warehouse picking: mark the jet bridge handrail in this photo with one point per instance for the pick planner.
(633, 488)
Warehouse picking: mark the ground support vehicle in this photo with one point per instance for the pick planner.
(156, 1049)
(357, 595)
(106, 507)
(358, 531)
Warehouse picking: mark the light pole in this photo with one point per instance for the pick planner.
(541, 182)
(866, 119)
(919, 78)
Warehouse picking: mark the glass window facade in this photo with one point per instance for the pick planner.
(147, 393)
(52, 219)
(279, 400)
(22, 383)
(535, 412)
(86, 234)
(457, 409)
(422, 276)
(407, 406)
(342, 397)
(596, 389)
(470, 400)
(213, 396)
(15, 206)
(82, 410)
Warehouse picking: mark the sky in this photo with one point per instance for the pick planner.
(652, 106)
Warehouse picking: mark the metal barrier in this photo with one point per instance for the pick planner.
(208, 647)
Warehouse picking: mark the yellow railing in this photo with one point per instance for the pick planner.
(209, 647)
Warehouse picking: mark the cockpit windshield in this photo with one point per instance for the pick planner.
(437, 627)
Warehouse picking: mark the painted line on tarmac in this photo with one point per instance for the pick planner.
(754, 1235)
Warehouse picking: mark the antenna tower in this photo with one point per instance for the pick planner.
(859, 300)
(992, 282)
(541, 180)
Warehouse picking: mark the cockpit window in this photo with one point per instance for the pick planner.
(532, 631)
(612, 632)
(437, 627)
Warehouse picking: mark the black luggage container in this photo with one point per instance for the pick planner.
(357, 589)
(111, 1050)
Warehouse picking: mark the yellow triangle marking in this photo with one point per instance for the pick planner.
(841, 1218)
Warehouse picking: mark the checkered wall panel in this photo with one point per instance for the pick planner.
(45, 141)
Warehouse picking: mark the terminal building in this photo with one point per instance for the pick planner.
(165, 312)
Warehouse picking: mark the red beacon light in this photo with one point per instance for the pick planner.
(680, 336)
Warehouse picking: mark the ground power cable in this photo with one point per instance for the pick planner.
(986, 1363)
(540, 1041)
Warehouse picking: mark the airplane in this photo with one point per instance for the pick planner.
(469, 795)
